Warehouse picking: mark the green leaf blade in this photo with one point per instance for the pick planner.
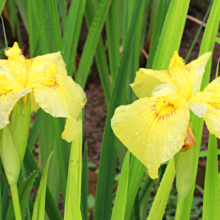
(39, 206)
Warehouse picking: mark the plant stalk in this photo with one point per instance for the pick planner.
(179, 209)
(15, 199)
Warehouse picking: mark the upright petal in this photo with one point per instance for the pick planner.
(146, 80)
(153, 129)
(7, 102)
(196, 69)
(17, 63)
(39, 64)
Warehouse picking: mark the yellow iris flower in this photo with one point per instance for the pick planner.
(43, 79)
(156, 126)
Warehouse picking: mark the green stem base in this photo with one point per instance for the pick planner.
(15, 199)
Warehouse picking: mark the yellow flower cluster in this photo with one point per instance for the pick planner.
(44, 80)
(156, 126)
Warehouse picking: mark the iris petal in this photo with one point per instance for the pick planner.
(209, 99)
(153, 129)
(7, 102)
(197, 68)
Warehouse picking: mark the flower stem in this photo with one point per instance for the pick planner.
(15, 199)
(179, 210)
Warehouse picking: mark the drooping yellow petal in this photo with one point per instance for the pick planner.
(63, 99)
(196, 69)
(56, 93)
(71, 130)
(146, 80)
(207, 104)
(153, 129)
(7, 102)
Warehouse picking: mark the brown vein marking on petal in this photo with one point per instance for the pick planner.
(5, 93)
(163, 109)
(55, 83)
(189, 141)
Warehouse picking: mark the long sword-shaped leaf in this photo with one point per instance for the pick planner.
(211, 197)
(71, 33)
(35, 130)
(2, 4)
(92, 41)
(113, 38)
(121, 196)
(84, 189)
(160, 201)
(51, 207)
(109, 151)
(22, 6)
(73, 193)
(39, 205)
(161, 14)
(23, 192)
(100, 56)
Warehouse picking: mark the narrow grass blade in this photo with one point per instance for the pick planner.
(23, 191)
(71, 34)
(51, 207)
(144, 198)
(61, 157)
(100, 56)
(22, 7)
(113, 38)
(2, 4)
(35, 130)
(84, 189)
(198, 32)
(72, 211)
(62, 8)
(75, 164)
(92, 41)
(136, 174)
(4, 198)
(49, 143)
(49, 28)
(153, 15)
(211, 197)
(33, 30)
(173, 26)
(13, 15)
(218, 40)
(160, 18)
(73, 193)
(160, 201)
(109, 151)
(204, 153)
(39, 205)
(121, 196)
